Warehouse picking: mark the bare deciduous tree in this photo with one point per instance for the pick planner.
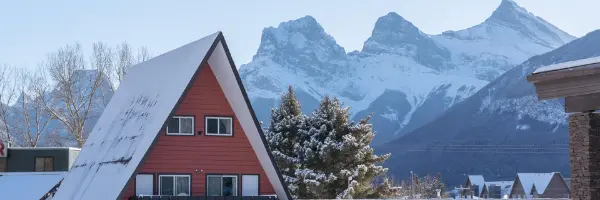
(31, 119)
(8, 93)
(124, 60)
(73, 98)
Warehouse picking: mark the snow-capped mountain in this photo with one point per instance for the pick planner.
(403, 76)
(500, 130)
(508, 37)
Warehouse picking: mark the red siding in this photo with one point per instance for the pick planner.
(212, 154)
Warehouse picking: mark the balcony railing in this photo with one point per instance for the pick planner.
(203, 198)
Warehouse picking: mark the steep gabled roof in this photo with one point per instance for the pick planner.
(138, 111)
(477, 180)
(540, 180)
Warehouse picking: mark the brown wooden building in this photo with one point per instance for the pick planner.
(539, 185)
(578, 82)
(180, 124)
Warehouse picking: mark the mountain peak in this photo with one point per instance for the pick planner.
(510, 12)
(392, 22)
(300, 23)
(395, 35)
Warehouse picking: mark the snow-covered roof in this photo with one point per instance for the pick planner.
(568, 65)
(477, 180)
(541, 181)
(505, 186)
(27, 185)
(44, 148)
(138, 111)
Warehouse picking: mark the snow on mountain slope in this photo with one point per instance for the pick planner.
(500, 130)
(508, 37)
(403, 76)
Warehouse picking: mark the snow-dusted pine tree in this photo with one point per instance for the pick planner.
(337, 160)
(283, 137)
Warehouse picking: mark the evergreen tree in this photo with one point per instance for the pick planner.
(337, 160)
(282, 136)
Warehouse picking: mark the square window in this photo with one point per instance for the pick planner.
(144, 184)
(181, 125)
(221, 185)
(219, 126)
(44, 164)
(174, 185)
(250, 185)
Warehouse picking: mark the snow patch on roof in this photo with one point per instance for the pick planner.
(131, 122)
(568, 65)
(477, 180)
(28, 185)
(541, 181)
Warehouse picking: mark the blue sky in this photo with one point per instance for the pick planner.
(30, 29)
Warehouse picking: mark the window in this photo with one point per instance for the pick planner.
(249, 185)
(219, 126)
(144, 184)
(221, 185)
(3, 165)
(174, 185)
(181, 125)
(44, 164)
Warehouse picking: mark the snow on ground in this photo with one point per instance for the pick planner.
(27, 185)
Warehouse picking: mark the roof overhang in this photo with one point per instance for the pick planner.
(579, 84)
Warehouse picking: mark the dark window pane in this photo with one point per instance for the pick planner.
(225, 126)
(182, 187)
(39, 164)
(229, 184)
(212, 126)
(173, 126)
(186, 125)
(49, 164)
(166, 185)
(214, 186)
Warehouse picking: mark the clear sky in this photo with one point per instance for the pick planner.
(30, 29)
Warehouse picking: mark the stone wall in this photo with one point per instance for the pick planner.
(584, 144)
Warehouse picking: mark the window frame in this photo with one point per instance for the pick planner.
(189, 176)
(206, 118)
(154, 187)
(242, 183)
(35, 158)
(180, 133)
(237, 183)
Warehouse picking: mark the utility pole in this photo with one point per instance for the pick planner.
(411, 184)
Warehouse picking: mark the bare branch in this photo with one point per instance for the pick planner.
(8, 93)
(76, 87)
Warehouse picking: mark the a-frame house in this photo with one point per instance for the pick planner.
(179, 124)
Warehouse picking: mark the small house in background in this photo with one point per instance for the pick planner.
(38, 159)
(496, 189)
(180, 124)
(475, 184)
(540, 185)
